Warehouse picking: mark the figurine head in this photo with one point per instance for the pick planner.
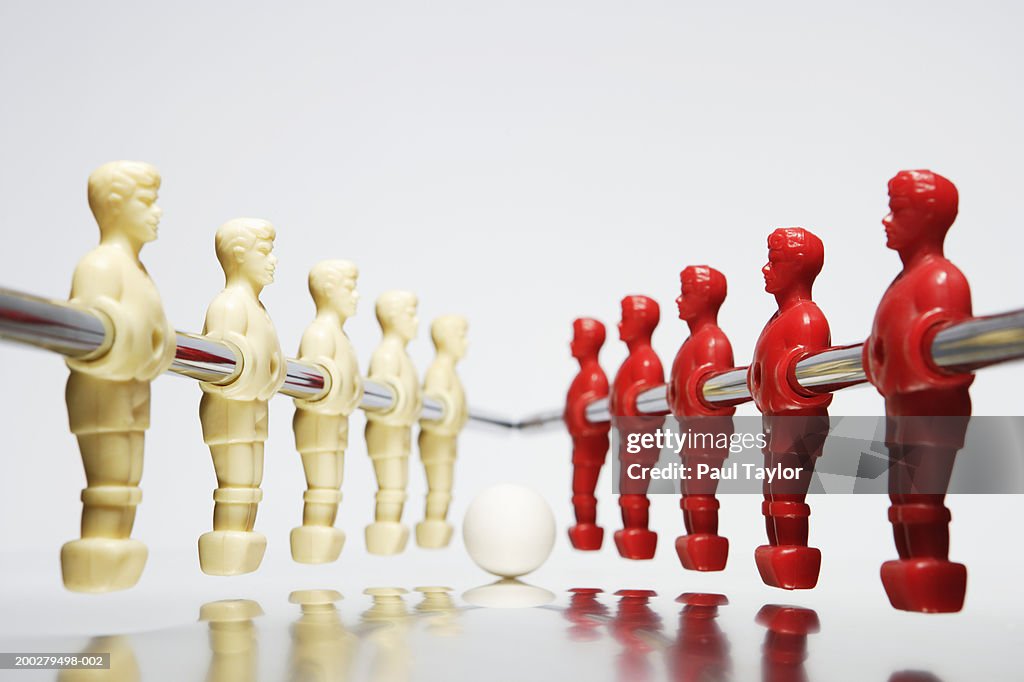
(448, 333)
(396, 312)
(587, 338)
(245, 250)
(640, 315)
(122, 196)
(332, 284)
(702, 291)
(922, 207)
(795, 257)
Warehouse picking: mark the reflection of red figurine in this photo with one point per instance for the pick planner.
(795, 421)
(927, 409)
(583, 607)
(701, 652)
(641, 370)
(706, 350)
(634, 625)
(589, 441)
(785, 643)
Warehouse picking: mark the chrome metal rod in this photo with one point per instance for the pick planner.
(60, 327)
(962, 347)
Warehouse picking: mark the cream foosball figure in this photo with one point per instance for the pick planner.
(437, 439)
(234, 414)
(389, 433)
(321, 426)
(108, 393)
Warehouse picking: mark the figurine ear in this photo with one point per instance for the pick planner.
(239, 252)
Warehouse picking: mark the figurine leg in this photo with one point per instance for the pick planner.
(235, 432)
(922, 452)
(702, 548)
(109, 419)
(388, 447)
(794, 442)
(320, 440)
(588, 456)
(438, 454)
(636, 540)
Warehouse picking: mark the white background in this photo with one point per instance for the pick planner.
(521, 164)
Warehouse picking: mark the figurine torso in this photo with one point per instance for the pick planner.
(641, 368)
(896, 357)
(442, 381)
(590, 384)
(152, 340)
(706, 350)
(800, 328)
(263, 368)
(401, 375)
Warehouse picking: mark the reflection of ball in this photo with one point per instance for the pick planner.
(509, 530)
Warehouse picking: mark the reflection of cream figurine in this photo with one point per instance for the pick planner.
(321, 427)
(233, 639)
(440, 610)
(437, 438)
(389, 619)
(108, 393)
(124, 667)
(234, 414)
(389, 433)
(322, 648)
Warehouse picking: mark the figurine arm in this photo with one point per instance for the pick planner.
(810, 335)
(945, 298)
(385, 366)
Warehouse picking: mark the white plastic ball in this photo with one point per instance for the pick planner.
(509, 530)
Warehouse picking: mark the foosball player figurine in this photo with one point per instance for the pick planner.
(389, 433)
(795, 421)
(234, 414)
(321, 426)
(438, 439)
(707, 350)
(927, 409)
(589, 440)
(108, 392)
(641, 370)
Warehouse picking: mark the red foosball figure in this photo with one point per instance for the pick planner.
(795, 421)
(706, 350)
(589, 441)
(640, 371)
(926, 409)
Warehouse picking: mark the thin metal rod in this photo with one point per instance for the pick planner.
(962, 347)
(70, 331)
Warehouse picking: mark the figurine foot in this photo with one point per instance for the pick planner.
(316, 544)
(231, 552)
(386, 537)
(636, 543)
(102, 564)
(702, 551)
(925, 585)
(586, 536)
(791, 567)
(433, 534)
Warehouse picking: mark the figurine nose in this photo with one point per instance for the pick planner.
(766, 269)
(158, 212)
(887, 220)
